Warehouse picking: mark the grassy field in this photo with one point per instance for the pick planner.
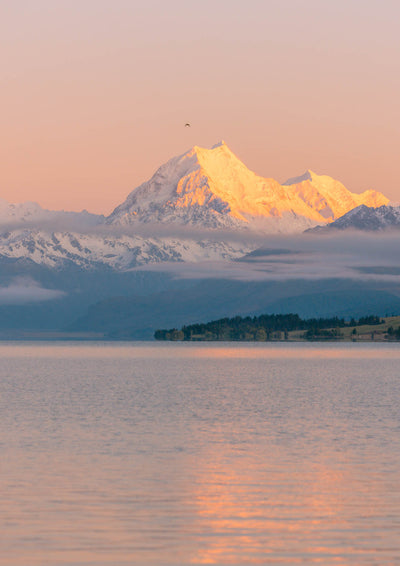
(376, 332)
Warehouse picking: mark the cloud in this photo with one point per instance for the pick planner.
(23, 291)
(49, 221)
(349, 255)
(85, 223)
(307, 256)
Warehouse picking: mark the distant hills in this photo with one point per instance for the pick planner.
(192, 301)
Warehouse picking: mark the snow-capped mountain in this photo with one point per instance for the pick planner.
(367, 218)
(212, 188)
(122, 252)
(209, 191)
(330, 198)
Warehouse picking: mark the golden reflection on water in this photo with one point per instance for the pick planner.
(255, 510)
(258, 511)
(216, 350)
(232, 464)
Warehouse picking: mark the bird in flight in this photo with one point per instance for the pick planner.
(187, 125)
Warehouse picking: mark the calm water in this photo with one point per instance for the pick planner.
(178, 454)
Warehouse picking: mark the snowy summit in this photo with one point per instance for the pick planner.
(208, 189)
(212, 188)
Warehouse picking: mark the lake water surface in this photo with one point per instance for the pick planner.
(179, 454)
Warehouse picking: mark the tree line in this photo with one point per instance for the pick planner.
(264, 327)
(393, 334)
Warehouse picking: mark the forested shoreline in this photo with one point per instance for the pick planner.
(274, 327)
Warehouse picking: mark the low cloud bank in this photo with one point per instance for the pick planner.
(313, 255)
(349, 255)
(23, 291)
(145, 230)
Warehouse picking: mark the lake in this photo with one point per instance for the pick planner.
(180, 453)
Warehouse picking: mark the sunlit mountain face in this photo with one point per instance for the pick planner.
(212, 188)
(204, 238)
(201, 205)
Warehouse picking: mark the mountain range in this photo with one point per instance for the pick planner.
(119, 274)
(209, 193)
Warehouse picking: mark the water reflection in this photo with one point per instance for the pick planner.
(184, 350)
(152, 455)
(267, 508)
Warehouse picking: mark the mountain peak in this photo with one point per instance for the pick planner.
(212, 188)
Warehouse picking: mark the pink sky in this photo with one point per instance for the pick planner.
(95, 94)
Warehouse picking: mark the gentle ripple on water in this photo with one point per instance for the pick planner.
(178, 454)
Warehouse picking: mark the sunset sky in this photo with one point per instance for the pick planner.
(95, 94)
